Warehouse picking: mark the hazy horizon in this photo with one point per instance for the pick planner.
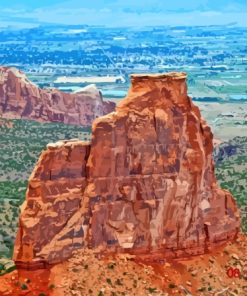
(120, 13)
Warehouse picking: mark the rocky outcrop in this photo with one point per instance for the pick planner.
(20, 98)
(144, 184)
(227, 150)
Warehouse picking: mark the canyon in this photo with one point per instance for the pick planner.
(20, 98)
(145, 184)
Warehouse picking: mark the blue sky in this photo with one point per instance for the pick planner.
(123, 12)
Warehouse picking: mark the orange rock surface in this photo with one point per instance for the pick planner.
(20, 98)
(145, 183)
(87, 273)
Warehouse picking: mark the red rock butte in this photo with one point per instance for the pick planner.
(20, 98)
(145, 183)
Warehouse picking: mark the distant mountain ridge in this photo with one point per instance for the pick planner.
(20, 98)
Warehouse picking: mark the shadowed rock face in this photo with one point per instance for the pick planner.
(144, 184)
(20, 98)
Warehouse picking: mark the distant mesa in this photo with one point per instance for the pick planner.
(91, 88)
(144, 184)
(20, 98)
(91, 79)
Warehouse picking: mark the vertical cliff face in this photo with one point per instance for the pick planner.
(146, 182)
(54, 198)
(20, 98)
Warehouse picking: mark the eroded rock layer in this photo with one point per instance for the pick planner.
(20, 98)
(144, 184)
